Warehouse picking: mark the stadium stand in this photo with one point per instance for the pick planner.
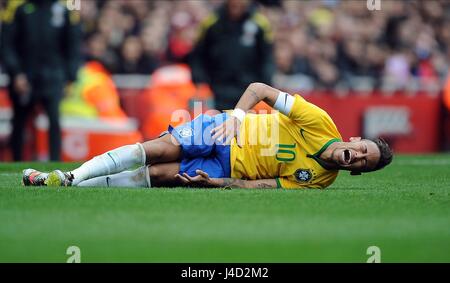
(335, 48)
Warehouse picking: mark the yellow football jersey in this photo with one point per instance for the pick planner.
(286, 147)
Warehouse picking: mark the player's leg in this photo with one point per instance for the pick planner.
(126, 157)
(137, 178)
(158, 175)
(163, 155)
(162, 150)
(163, 175)
(165, 149)
(112, 162)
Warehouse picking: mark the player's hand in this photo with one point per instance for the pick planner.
(227, 131)
(201, 180)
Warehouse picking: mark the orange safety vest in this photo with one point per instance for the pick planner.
(94, 94)
(170, 98)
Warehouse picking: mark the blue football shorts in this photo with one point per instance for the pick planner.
(199, 150)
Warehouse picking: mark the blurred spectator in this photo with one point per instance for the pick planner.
(133, 60)
(181, 38)
(284, 58)
(39, 66)
(93, 95)
(97, 49)
(171, 89)
(234, 50)
(397, 69)
(332, 43)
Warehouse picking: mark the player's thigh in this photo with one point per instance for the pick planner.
(163, 174)
(162, 150)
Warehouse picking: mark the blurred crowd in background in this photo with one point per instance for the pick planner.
(209, 51)
(327, 44)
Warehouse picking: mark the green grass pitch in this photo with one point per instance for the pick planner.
(404, 210)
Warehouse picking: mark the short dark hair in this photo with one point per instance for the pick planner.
(386, 153)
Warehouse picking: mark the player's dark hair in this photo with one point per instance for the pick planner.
(386, 153)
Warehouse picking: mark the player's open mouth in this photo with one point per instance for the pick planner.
(346, 157)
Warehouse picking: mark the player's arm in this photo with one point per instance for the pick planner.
(203, 180)
(254, 93)
(257, 92)
(247, 184)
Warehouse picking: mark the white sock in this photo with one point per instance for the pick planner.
(111, 162)
(138, 178)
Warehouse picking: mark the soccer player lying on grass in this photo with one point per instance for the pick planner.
(297, 147)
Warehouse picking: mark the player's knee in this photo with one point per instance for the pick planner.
(161, 150)
(154, 150)
(156, 174)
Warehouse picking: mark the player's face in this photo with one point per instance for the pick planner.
(358, 155)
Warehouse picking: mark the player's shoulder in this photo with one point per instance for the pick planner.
(315, 119)
(306, 103)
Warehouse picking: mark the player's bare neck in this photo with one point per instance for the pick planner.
(327, 155)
